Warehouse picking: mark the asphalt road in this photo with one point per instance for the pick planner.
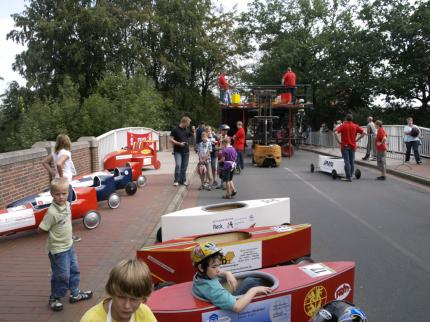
(383, 226)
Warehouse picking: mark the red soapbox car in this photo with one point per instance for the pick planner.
(298, 292)
(27, 213)
(140, 148)
(246, 249)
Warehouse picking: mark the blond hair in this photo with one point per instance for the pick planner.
(185, 120)
(58, 183)
(62, 142)
(130, 278)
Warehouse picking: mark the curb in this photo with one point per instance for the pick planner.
(397, 173)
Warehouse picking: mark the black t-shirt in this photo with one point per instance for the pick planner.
(180, 134)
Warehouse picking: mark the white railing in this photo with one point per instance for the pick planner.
(396, 145)
(117, 139)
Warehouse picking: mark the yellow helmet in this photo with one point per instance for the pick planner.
(203, 250)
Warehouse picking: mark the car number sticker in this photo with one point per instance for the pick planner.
(122, 157)
(281, 229)
(147, 161)
(317, 270)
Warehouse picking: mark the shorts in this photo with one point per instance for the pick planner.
(227, 175)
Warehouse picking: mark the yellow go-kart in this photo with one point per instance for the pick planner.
(267, 155)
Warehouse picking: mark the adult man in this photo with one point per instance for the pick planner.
(224, 94)
(346, 135)
(179, 138)
(371, 131)
(289, 81)
(239, 143)
(412, 140)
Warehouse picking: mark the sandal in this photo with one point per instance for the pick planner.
(81, 296)
(55, 304)
(234, 193)
(226, 197)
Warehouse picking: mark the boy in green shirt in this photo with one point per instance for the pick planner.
(64, 264)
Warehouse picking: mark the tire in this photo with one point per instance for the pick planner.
(91, 220)
(114, 200)
(157, 165)
(159, 235)
(161, 285)
(312, 168)
(357, 173)
(131, 188)
(303, 260)
(141, 181)
(334, 174)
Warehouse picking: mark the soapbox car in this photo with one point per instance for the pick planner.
(245, 249)
(27, 213)
(334, 166)
(298, 291)
(229, 216)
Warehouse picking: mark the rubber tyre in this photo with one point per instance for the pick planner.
(114, 200)
(334, 174)
(303, 260)
(357, 173)
(157, 165)
(312, 168)
(91, 219)
(141, 181)
(131, 188)
(159, 236)
(161, 285)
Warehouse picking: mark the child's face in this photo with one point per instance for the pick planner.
(60, 194)
(123, 307)
(204, 138)
(214, 268)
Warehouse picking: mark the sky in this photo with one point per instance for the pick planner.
(9, 49)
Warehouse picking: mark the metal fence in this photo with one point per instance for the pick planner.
(396, 145)
(116, 139)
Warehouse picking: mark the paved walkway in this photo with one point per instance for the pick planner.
(411, 171)
(24, 268)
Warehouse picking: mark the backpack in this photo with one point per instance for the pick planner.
(414, 132)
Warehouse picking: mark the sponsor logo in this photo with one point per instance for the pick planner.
(216, 318)
(228, 258)
(146, 151)
(342, 291)
(314, 300)
(217, 226)
(328, 163)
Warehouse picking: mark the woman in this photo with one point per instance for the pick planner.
(381, 149)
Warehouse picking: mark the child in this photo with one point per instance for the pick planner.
(64, 263)
(207, 259)
(63, 165)
(213, 140)
(228, 158)
(381, 149)
(204, 149)
(129, 286)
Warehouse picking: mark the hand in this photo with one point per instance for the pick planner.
(51, 174)
(183, 144)
(193, 128)
(262, 290)
(231, 280)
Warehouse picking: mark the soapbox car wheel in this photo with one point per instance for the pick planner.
(141, 181)
(159, 235)
(157, 165)
(334, 174)
(91, 219)
(114, 200)
(357, 173)
(131, 188)
(303, 260)
(312, 167)
(163, 285)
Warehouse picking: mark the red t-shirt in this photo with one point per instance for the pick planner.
(239, 141)
(222, 82)
(379, 137)
(289, 79)
(348, 131)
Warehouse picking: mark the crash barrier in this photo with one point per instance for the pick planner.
(396, 145)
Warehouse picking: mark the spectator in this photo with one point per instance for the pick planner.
(239, 143)
(323, 134)
(412, 140)
(63, 165)
(371, 132)
(223, 134)
(65, 274)
(200, 129)
(128, 287)
(228, 158)
(224, 94)
(381, 150)
(179, 138)
(207, 259)
(346, 135)
(213, 140)
(204, 166)
(289, 81)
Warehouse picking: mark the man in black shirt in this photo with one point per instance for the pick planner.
(179, 138)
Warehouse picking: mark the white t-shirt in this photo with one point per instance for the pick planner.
(68, 168)
(409, 138)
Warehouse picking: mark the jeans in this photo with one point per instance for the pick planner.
(371, 146)
(65, 273)
(414, 145)
(292, 90)
(246, 284)
(70, 196)
(181, 165)
(240, 158)
(348, 155)
(224, 96)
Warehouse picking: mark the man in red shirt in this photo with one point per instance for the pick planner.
(346, 135)
(224, 94)
(239, 143)
(381, 149)
(289, 81)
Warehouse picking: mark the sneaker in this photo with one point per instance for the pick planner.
(365, 158)
(175, 184)
(186, 184)
(346, 179)
(215, 183)
(81, 296)
(76, 238)
(380, 178)
(201, 187)
(55, 304)
(419, 162)
(234, 193)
